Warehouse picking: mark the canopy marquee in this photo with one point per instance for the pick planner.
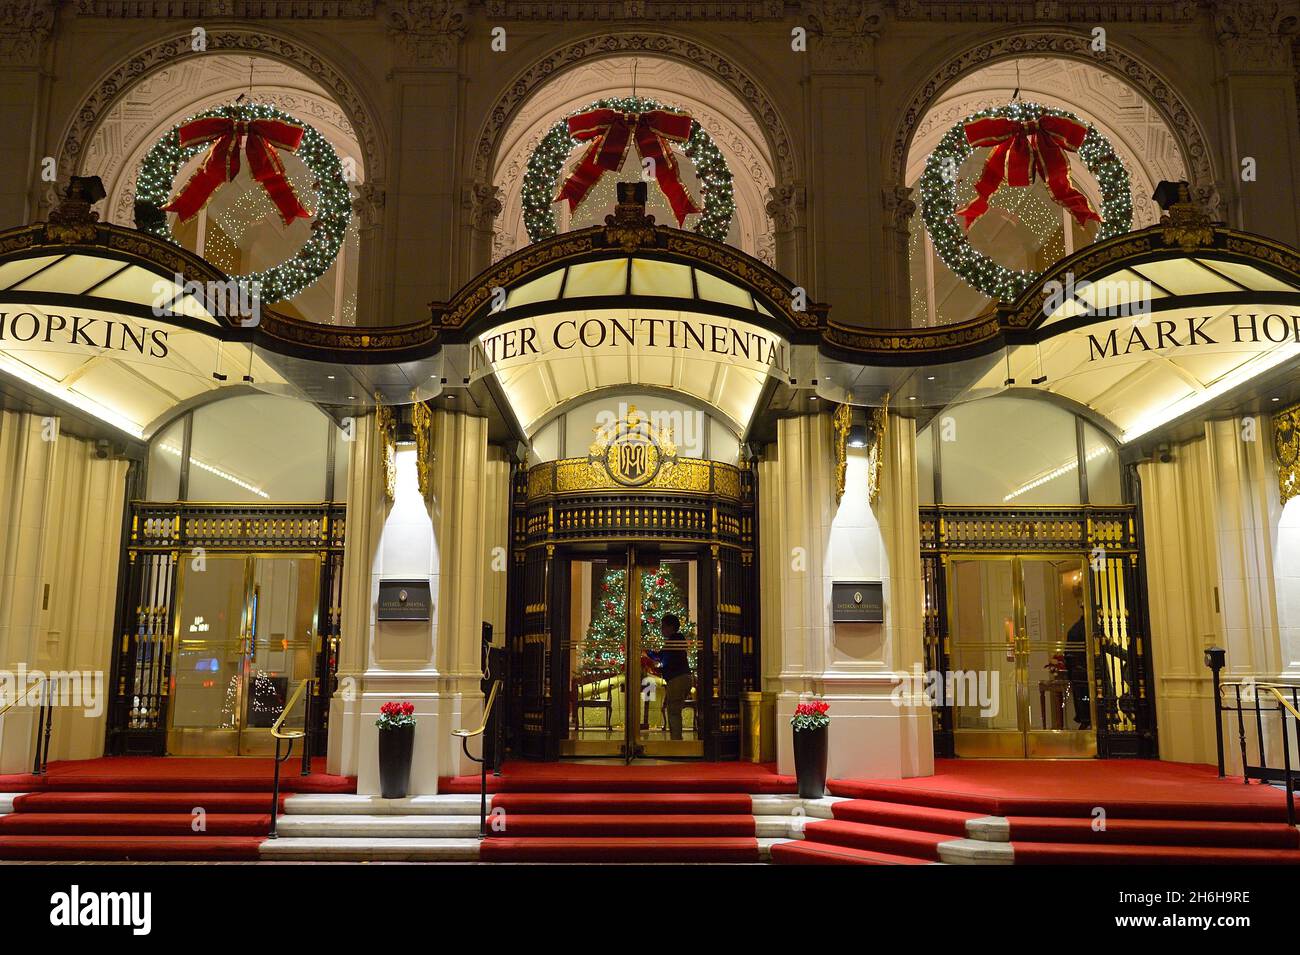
(1138, 332)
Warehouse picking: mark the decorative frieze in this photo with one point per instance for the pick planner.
(1048, 11)
(233, 9)
(655, 10)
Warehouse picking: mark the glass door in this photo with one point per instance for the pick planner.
(1020, 666)
(632, 646)
(245, 637)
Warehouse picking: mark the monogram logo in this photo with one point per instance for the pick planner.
(632, 451)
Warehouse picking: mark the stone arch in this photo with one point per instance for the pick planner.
(784, 157)
(1143, 78)
(229, 40)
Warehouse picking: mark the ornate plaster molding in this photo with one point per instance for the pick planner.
(781, 147)
(845, 32)
(482, 201)
(1253, 33)
(25, 29)
(786, 205)
(428, 32)
(1172, 108)
(87, 117)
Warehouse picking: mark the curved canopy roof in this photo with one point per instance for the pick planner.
(1140, 331)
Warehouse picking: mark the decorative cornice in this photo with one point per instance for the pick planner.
(232, 9)
(1090, 12)
(428, 32)
(25, 30)
(651, 10)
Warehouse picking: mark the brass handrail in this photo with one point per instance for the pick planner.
(22, 696)
(465, 736)
(288, 708)
(291, 736)
(487, 713)
(1274, 688)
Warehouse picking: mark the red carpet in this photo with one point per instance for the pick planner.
(1155, 814)
(525, 777)
(583, 812)
(620, 850)
(145, 808)
(179, 774)
(1126, 788)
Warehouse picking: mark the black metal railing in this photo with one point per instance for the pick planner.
(1261, 706)
(465, 736)
(49, 687)
(283, 736)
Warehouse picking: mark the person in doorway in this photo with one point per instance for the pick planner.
(1076, 663)
(675, 669)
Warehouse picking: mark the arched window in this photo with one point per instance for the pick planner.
(1016, 452)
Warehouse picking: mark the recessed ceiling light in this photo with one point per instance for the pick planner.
(1277, 399)
(330, 377)
(931, 378)
(352, 397)
(911, 397)
(812, 397)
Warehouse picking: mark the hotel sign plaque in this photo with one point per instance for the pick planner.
(861, 601)
(404, 600)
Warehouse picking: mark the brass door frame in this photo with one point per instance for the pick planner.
(1025, 741)
(239, 740)
(632, 746)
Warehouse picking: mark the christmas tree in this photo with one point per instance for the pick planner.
(604, 648)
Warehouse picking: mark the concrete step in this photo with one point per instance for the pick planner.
(357, 849)
(326, 804)
(356, 825)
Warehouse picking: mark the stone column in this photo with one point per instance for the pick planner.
(1181, 572)
(845, 213)
(60, 541)
(1258, 82)
(25, 31)
(422, 243)
(809, 541)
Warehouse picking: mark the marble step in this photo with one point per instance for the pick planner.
(389, 826)
(327, 804)
(369, 849)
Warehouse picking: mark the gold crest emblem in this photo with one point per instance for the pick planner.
(632, 451)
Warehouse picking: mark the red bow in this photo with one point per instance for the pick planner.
(260, 137)
(610, 131)
(1023, 151)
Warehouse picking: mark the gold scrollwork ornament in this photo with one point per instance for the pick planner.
(386, 439)
(1286, 448)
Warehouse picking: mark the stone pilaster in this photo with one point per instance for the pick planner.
(1258, 82)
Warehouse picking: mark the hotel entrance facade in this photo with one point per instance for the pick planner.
(987, 466)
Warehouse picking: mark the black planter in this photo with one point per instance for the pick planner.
(810, 752)
(395, 747)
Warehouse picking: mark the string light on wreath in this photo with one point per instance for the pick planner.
(938, 187)
(541, 179)
(332, 214)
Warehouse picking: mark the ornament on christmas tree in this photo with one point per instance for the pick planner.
(260, 139)
(333, 213)
(542, 177)
(610, 132)
(940, 183)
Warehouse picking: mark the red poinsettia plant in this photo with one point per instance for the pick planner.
(811, 715)
(394, 716)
